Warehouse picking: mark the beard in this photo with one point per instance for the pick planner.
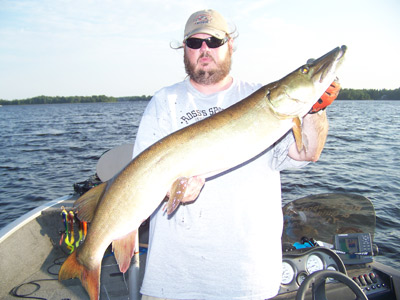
(211, 76)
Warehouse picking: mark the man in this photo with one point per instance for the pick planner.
(227, 243)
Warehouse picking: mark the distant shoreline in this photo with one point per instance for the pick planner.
(72, 99)
(369, 94)
(345, 94)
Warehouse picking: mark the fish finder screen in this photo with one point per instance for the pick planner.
(354, 247)
(349, 245)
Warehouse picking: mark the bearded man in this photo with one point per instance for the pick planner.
(227, 243)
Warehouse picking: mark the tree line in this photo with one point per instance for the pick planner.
(135, 98)
(369, 94)
(72, 99)
(345, 94)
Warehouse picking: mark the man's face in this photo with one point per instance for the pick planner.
(208, 65)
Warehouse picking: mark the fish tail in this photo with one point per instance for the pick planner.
(90, 279)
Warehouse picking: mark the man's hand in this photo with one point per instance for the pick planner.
(195, 184)
(327, 98)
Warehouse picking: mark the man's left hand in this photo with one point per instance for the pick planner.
(327, 98)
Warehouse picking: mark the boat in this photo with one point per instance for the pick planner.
(327, 250)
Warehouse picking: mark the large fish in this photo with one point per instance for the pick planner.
(115, 209)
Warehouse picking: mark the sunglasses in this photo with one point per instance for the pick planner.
(211, 42)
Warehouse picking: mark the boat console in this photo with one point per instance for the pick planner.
(328, 251)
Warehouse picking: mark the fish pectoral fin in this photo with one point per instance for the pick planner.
(124, 249)
(90, 279)
(176, 194)
(87, 203)
(298, 134)
(184, 190)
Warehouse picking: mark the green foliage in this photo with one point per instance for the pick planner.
(135, 98)
(345, 94)
(71, 99)
(369, 94)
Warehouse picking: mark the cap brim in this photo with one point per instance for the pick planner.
(219, 34)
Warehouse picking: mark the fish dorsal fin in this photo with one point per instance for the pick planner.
(87, 203)
(124, 249)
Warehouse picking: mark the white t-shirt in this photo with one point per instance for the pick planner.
(226, 244)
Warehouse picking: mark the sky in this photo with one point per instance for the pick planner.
(122, 47)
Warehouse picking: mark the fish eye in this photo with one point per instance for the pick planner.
(305, 69)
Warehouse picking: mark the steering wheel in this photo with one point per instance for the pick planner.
(317, 280)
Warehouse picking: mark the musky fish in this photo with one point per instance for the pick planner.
(116, 208)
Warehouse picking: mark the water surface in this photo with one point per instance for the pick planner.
(45, 149)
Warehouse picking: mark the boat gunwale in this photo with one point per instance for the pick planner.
(15, 225)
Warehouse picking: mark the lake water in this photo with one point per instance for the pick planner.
(45, 149)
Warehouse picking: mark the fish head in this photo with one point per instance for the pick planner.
(296, 93)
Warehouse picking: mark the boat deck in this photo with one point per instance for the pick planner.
(38, 242)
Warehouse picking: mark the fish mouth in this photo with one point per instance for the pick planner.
(328, 63)
(342, 51)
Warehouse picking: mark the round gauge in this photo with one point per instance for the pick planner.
(332, 268)
(287, 273)
(301, 277)
(314, 263)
